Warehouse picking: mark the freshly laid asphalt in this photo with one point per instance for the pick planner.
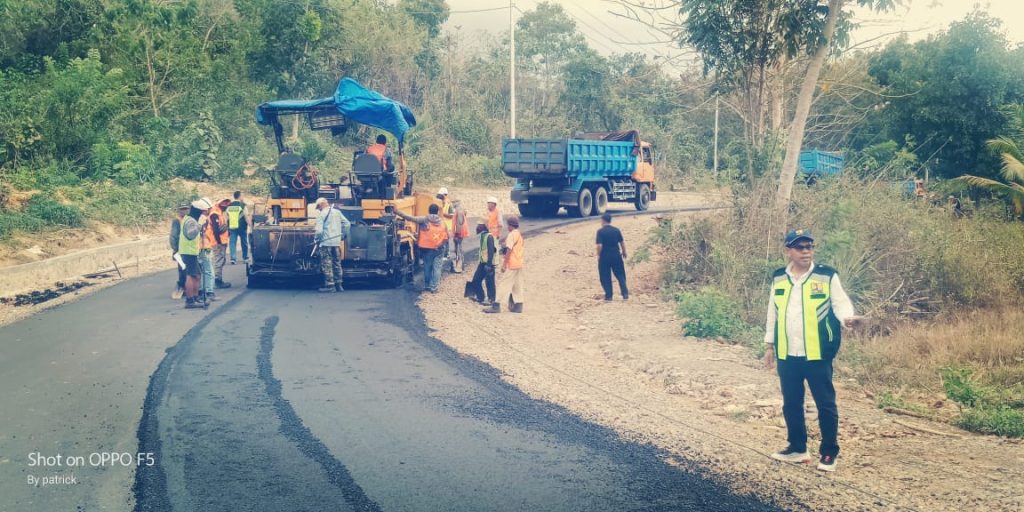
(289, 400)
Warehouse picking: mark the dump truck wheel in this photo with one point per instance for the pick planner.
(600, 201)
(643, 197)
(528, 210)
(584, 206)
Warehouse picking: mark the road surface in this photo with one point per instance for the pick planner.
(289, 400)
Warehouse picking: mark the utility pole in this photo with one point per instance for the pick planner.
(512, 64)
(714, 167)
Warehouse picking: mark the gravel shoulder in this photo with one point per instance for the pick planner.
(626, 365)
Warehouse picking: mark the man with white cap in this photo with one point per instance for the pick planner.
(495, 220)
(190, 239)
(329, 232)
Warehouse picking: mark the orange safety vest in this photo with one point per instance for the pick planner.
(432, 236)
(210, 238)
(514, 257)
(494, 223)
(379, 151)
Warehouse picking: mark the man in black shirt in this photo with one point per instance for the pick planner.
(610, 258)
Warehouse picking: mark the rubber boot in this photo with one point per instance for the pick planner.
(495, 308)
(517, 307)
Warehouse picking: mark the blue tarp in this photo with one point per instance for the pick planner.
(353, 101)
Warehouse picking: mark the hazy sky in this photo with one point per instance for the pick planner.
(608, 33)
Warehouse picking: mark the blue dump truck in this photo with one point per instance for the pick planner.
(582, 174)
(816, 164)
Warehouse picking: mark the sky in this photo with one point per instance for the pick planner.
(608, 33)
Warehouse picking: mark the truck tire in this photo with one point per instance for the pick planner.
(600, 201)
(643, 197)
(529, 210)
(585, 204)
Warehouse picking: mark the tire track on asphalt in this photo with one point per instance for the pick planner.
(293, 428)
(150, 486)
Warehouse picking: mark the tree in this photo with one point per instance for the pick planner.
(946, 92)
(1012, 170)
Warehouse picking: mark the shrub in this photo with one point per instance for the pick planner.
(53, 213)
(710, 313)
(1000, 421)
(12, 221)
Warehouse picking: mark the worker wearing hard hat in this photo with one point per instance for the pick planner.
(495, 221)
(190, 239)
(174, 238)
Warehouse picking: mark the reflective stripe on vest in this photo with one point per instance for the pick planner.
(817, 304)
(188, 247)
(483, 248)
(432, 236)
(379, 151)
(234, 213)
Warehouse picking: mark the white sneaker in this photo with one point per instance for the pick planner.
(789, 455)
(827, 463)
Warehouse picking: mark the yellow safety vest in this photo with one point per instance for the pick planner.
(188, 247)
(822, 330)
(483, 248)
(234, 212)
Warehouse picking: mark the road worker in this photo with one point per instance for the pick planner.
(219, 225)
(513, 264)
(495, 221)
(190, 239)
(433, 235)
(174, 239)
(238, 227)
(485, 269)
(383, 153)
(807, 310)
(329, 233)
(206, 246)
(447, 216)
(460, 232)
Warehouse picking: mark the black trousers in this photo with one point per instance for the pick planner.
(793, 371)
(484, 275)
(605, 269)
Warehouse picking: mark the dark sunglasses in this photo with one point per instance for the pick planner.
(802, 247)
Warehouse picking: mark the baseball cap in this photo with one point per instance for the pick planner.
(798, 234)
(183, 205)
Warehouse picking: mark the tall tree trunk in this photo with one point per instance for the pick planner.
(151, 75)
(803, 109)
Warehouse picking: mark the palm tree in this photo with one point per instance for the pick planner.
(1013, 163)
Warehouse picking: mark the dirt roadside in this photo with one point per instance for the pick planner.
(625, 364)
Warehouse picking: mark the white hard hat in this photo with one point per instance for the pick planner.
(492, 199)
(321, 200)
(443, 191)
(201, 204)
(209, 203)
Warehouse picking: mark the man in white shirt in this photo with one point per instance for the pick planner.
(806, 313)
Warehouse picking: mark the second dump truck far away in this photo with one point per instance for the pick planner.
(582, 173)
